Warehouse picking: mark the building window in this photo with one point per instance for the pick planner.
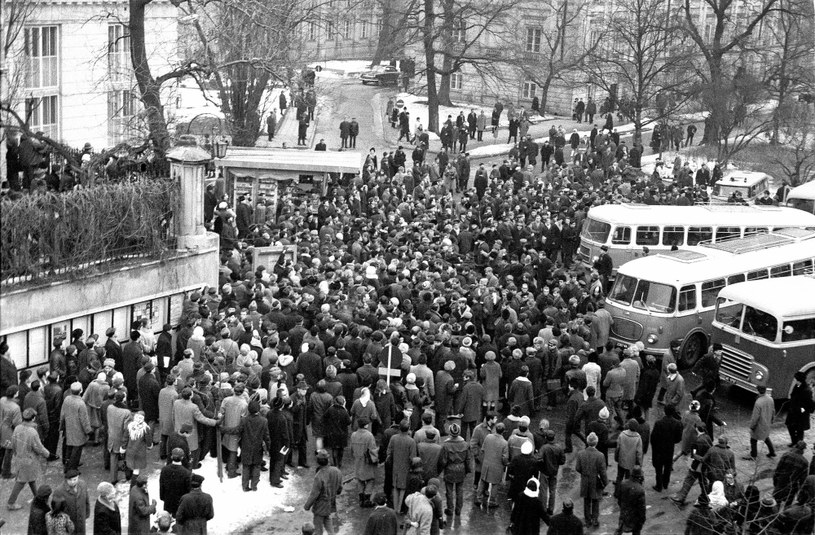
(118, 52)
(329, 30)
(533, 40)
(456, 80)
(42, 55)
(530, 89)
(459, 31)
(363, 29)
(312, 31)
(346, 33)
(121, 109)
(42, 114)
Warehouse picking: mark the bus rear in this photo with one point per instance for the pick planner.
(766, 335)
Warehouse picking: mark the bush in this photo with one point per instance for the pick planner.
(53, 233)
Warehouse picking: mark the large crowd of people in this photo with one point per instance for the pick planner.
(429, 327)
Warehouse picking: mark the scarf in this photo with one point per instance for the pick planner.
(532, 493)
(365, 397)
(717, 497)
(137, 428)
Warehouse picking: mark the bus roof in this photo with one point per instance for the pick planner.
(773, 295)
(743, 178)
(701, 263)
(804, 191)
(702, 215)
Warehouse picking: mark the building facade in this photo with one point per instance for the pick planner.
(69, 74)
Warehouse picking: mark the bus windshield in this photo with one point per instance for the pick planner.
(643, 294)
(596, 230)
(759, 323)
(728, 313)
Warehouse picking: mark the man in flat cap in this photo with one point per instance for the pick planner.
(195, 509)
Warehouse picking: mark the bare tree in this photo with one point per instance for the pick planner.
(730, 33)
(559, 49)
(797, 157)
(648, 60)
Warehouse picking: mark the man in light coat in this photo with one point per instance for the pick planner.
(591, 465)
(760, 423)
(29, 454)
(494, 459)
(187, 412)
(232, 410)
(75, 424)
(166, 398)
(366, 459)
(326, 485)
(628, 453)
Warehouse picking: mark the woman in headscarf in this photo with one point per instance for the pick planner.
(137, 439)
(528, 510)
(364, 407)
(717, 498)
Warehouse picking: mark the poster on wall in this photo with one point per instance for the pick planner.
(61, 330)
(176, 308)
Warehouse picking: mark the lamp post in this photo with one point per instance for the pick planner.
(187, 163)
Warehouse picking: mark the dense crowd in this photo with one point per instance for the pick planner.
(425, 323)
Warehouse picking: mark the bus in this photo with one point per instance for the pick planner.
(749, 184)
(803, 197)
(667, 300)
(626, 228)
(766, 335)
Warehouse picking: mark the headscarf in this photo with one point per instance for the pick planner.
(717, 497)
(137, 428)
(365, 397)
(532, 488)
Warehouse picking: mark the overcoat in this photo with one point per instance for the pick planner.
(29, 453)
(366, 454)
(494, 457)
(401, 449)
(591, 465)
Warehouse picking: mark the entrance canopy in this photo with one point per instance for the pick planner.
(290, 162)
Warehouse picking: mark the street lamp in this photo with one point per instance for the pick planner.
(220, 148)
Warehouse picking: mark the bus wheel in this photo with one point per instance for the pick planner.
(691, 351)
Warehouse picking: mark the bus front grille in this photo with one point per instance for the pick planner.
(583, 252)
(626, 329)
(737, 364)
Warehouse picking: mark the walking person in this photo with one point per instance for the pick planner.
(799, 407)
(76, 426)
(29, 454)
(495, 457)
(528, 511)
(173, 482)
(761, 422)
(10, 419)
(455, 461)
(552, 457)
(327, 484)
(401, 449)
(666, 434)
(631, 497)
(366, 458)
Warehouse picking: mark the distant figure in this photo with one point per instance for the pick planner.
(271, 124)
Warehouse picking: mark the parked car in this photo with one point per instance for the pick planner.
(381, 75)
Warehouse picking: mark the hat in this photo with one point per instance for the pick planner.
(196, 480)
(76, 387)
(723, 441)
(768, 501)
(603, 414)
(467, 341)
(800, 445)
(574, 359)
(695, 405)
(308, 528)
(277, 403)
(141, 478)
(524, 421)
(29, 414)
(717, 346)
(527, 447)
(672, 367)
(531, 489)
(43, 491)
(455, 430)
(322, 454)
(489, 355)
(71, 473)
(449, 366)
(110, 331)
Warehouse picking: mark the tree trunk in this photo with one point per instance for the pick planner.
(430, 66)
(545, 94)
(444, 88)
(149, 90)
(390, 34)
(637, 124)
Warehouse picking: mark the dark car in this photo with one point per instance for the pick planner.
(381, 75)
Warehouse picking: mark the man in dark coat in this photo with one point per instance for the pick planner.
(326, 485)
(799, 408)
(280, 442)
(790, 473)
(113, 349)
(195, 509)
(591, 465)
(565, 523)
(141, 507)
(131, 362)
(632, 503)
(174, 481)
(148, 394)
(455, 461)
(521, 469)
(254, 435)
(383, 520)
(666, 433)
(39, 508)
(8, 369)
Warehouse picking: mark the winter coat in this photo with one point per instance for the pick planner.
(675, 391)
(799, 407)
(719, 460)
(336, 422)
(667, 432)
(491, 378)
(419, 511)
(762, 418)
(469, 402)
(74, 420)
(117, 418)
(77, 504)
(480, 433)
(166, 398)
(173, 483)
(187, 412)
(520, 469)
(527, 513)
(632, 505)
(29, 453)
(632, 378)
(382, 521)
(494, 457)
(149, 391)
(233, 409)
(139, 511)
(628, 453)
(366, 454)
(401, 449)
(521, 394)
(106, 521)
(565, 524)
(455, 459)
(320, 402)
(193, 513)
(136, 450)
(10, 418)
(36, 517)
(253, 435)
(445, 388)
(326, 486)
(591, 465)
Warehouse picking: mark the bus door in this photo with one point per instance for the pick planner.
(622, 248)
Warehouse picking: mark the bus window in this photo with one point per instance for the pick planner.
(687, 298)
(596, 230)
(759, 323)
(655, 297)
(780, 271)
(647, 235)
(749, 231)
(733, 279)
(671, 235)
(621, 236)
(757, 275)
(802, 268)
(710, 290)
(726, 233)
(797, 330)
(697, 234)
(623, 289)
(728, 314)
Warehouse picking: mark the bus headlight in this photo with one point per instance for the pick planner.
(653, 338)
(759, 375)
